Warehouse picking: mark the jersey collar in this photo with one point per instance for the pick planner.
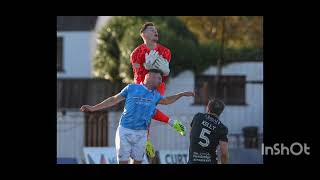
(149, 48)
(146, 87)
(213, 115)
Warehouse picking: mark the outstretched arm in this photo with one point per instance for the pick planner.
(111, 101)
(175, 123)
(172, 99)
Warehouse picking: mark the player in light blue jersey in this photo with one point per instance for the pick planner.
(140, 106)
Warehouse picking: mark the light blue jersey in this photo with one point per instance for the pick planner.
(140, 106)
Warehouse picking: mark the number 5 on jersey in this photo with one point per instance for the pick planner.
(204, 137)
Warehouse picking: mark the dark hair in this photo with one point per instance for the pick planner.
(156, 71)
(145, 25)
(215, 106)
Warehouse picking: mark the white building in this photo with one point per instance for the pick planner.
(76, 39)
(76, 42)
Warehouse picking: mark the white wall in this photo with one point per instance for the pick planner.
(252, 70)
(77, 54)
(70, 135)
(113, 122)
(79, 50)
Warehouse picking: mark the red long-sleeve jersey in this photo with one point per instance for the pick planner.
(137, 59)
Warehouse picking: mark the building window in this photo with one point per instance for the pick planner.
(230, 89)
(59, 54)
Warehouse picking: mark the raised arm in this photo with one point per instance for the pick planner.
(172, 99)
(111, 101)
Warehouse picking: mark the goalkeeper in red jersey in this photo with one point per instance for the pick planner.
(152, 55)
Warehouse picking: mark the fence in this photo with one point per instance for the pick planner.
(74, 92)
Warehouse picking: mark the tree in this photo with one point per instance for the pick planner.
(196, 42)
(118, 38)
(240, 31)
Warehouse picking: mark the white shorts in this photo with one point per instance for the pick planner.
(130, 143)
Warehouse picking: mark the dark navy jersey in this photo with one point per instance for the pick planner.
(206, 132)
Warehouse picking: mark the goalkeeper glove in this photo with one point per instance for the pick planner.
(150, 149)
(163, 65)
(178, 126)
(150, 59)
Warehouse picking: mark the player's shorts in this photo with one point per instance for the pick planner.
(130, 143)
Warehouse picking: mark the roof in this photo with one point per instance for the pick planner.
(76, 23)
